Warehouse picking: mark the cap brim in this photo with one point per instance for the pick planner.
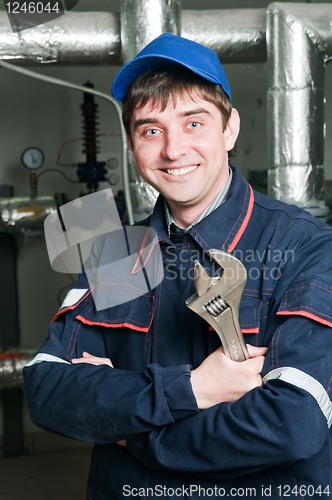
(140, 65)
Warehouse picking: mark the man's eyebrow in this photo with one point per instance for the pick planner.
(138, 123)
(197, 111)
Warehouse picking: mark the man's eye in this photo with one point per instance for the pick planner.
(193, 125)
(151, 131)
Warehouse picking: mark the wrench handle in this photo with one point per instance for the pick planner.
(231, 337)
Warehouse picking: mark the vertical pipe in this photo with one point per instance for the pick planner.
(144, 20)
(296, 122)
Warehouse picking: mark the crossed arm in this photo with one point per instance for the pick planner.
(218, 379)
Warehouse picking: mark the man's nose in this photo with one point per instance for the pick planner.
(175, 145)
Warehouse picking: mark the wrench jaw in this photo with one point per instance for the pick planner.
(218, 300)
(203, 280)
(232, 270)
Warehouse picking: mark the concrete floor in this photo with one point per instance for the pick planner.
(56, 475)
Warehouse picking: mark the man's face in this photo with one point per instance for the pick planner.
(183, 150)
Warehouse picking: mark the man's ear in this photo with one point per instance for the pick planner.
(232, 130)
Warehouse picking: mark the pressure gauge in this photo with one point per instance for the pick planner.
(33, 158)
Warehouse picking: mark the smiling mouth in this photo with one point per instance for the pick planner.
(181, 171)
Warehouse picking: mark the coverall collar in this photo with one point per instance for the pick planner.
(221, 229)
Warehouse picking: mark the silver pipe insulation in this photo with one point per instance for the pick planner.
(75, 38)
(11, 366)
(142, 21)
(237, 35)
(299, 41)
(94, 38)
(25, 214)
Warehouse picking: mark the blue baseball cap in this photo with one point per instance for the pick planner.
(171, 50)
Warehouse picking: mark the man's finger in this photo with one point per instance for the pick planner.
(254, 352)
(93, 360)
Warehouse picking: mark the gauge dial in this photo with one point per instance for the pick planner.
(33, 158)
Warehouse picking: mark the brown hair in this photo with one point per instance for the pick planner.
(162, 84)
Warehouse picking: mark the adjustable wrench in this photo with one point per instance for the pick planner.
(218, 299)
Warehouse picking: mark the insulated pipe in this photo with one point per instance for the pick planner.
(144, 20)
(75, 38)
(299, 41)
(11, 366)
(237, 35)
(25, 214)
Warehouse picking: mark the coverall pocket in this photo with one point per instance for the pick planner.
(135, 314)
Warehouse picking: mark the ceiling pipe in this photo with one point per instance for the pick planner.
(299, 41)
(93, 38)
(237, 35)
(76, 38)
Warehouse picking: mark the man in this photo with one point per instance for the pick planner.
(147, 381)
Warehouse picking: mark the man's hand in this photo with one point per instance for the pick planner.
(92, 360)
(219, 379)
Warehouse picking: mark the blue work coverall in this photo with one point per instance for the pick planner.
(274, 442)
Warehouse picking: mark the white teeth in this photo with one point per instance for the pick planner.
(182, 171)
